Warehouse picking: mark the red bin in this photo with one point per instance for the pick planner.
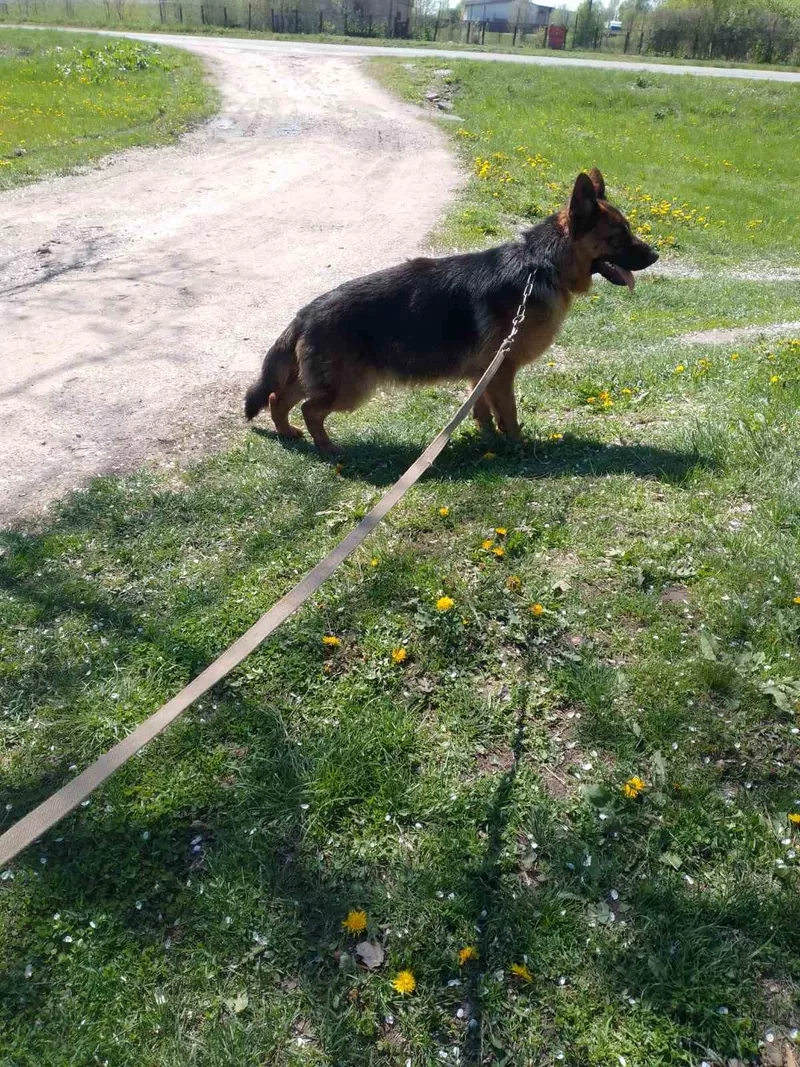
(556, 36)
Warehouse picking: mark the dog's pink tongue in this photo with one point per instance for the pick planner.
(627, 277)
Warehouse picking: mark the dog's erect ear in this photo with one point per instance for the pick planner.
(583, 208)
(598, 182)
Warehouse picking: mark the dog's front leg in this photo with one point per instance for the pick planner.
(503, 403)
(482, 412)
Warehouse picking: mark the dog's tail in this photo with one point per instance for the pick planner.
(276, 371)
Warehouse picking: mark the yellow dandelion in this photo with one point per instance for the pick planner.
(499, 551)
(794, 818)
(604, 395)
(444, 603)
(404, 983)
(680, 369)
(796, 600)
(519, 970)
(591, 399)
(537, 609)
(330, 641)
(633, 787)
(626, 391)
(734, 355)
(556, 437)
(486, 544)
(469, 952)
(501, 531)
(374, 561)
(774, 379)
(356, 922)
(444, 512)
(399, 655)
(490, 455)
(514, 583)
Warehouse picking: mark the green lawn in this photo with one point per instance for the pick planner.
(625, 609)
(678, 153)
(67, 99)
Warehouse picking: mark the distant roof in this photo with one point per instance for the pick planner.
(488, 3)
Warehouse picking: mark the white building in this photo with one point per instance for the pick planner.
(503, 15)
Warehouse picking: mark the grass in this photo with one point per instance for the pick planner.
(677, 154)
(641, 622)
(66, 100)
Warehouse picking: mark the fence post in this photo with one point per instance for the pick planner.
(225, 17)
(320, 21)
(436, 26)
(575, 33)
(483, 31)
(344, 13)
(596, 35)
(296, 20)
(514, 38)
(641, 40)
(627, 41)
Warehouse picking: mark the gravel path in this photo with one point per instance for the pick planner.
(137, 300)
(311, 48)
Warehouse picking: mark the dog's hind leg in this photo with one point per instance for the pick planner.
(281, 403)
(315, 412)
(501, 397)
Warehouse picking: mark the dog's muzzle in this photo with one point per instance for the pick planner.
(619, 269)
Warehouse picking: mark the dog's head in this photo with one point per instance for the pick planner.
(603, 235)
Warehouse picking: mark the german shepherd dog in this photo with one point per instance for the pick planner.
(435, 319)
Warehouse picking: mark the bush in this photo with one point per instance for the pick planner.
(118, 57)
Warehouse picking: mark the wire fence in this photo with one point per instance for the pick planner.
(755, 37)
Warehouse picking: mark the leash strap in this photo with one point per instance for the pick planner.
(37, 822)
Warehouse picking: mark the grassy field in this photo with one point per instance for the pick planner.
(581, 764)
(677, 154)
(68, 99)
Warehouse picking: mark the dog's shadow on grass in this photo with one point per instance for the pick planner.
(380, 461)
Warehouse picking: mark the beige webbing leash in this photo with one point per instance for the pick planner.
(62, 802)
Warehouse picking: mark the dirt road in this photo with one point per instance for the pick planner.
(136, 300)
